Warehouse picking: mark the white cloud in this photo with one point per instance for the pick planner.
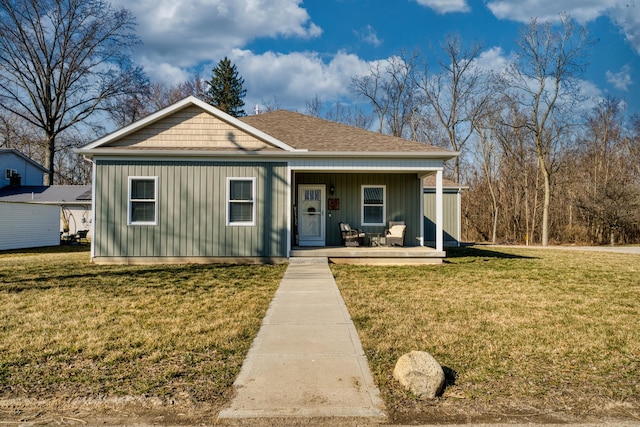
(620, 80)
(446, 6)
(627, 16)
(492, 59)
(369, 35)
(187, 32)
(625, 13)
(297, 77)
(549, 10)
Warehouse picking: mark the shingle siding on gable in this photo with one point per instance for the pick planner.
(192, 127)
(191, 210)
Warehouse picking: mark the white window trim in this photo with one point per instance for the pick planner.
(384, 204)
(253, 202)
(155, 200)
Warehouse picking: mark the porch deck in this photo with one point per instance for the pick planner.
(364, 255)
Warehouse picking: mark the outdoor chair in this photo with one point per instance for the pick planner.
(395, 233)
(351, 236)
(82, 235)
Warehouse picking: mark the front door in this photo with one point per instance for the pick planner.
(311, 220)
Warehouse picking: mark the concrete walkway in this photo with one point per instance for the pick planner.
(307, 360)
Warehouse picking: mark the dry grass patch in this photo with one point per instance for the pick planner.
(530, 335)
(69, 328)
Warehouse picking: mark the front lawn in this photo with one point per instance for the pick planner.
(524, 335)
(71, 329)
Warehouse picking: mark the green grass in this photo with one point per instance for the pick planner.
(70, 328)
(522, 330)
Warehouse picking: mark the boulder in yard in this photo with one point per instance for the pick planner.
(420, 373)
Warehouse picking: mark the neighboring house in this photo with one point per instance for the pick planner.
(452, 224)
(190, 183)
(25, 225)
(74, 202)
(17, 169)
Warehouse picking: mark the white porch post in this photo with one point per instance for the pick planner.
(289, 208)
(439, 214)
(421, 198)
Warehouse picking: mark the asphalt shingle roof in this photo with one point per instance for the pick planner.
(314, 134)
(47, 194)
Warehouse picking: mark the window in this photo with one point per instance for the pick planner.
(373, 204)
(241, 196)
(143, 196)
(9, 173)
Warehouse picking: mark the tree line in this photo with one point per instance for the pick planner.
(539, 168)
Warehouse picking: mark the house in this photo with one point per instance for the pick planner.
(17, 169)
(74, 202)
(22, 225)
(452, 201)
(190, 183)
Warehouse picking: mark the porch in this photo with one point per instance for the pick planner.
(364, 255)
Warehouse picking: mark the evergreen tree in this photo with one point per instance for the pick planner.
(225, 89)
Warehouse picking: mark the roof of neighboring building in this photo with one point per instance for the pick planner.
(314, 134)
(5, 151)
(430, 182)
(53, 194)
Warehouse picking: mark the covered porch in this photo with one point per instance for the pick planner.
(367, 200)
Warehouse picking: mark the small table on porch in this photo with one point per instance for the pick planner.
(377, 239)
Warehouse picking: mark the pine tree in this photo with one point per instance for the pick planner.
(225, 89)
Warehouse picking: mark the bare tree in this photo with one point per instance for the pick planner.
(313, 107)
(610, 196)
(544, 78)
(457, 95)
(390, 87)
(60, 60)
(488, 156)
(152, 98)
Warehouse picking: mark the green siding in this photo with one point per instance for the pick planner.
(451, 217)
(191, 210)
(402, 204)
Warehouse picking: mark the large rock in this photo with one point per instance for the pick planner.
(420, 373)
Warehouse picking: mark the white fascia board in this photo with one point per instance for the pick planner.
(111, 152)
(190, 100)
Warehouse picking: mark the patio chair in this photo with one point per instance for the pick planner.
(395, 233)
(82, 235)
(351, 236)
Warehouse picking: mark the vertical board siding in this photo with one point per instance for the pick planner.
(451, 217)
(402, 204)
(191, 210)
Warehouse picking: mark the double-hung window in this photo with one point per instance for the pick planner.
(374, 204)
(241, 201)
(143, 200)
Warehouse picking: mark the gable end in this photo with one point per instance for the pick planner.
(191, 127)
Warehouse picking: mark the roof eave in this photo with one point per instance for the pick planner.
(101, 152)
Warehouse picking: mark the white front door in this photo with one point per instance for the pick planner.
(311, 220)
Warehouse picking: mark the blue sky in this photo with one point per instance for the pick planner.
(292, 51)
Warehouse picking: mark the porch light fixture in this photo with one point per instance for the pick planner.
(332, 189)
